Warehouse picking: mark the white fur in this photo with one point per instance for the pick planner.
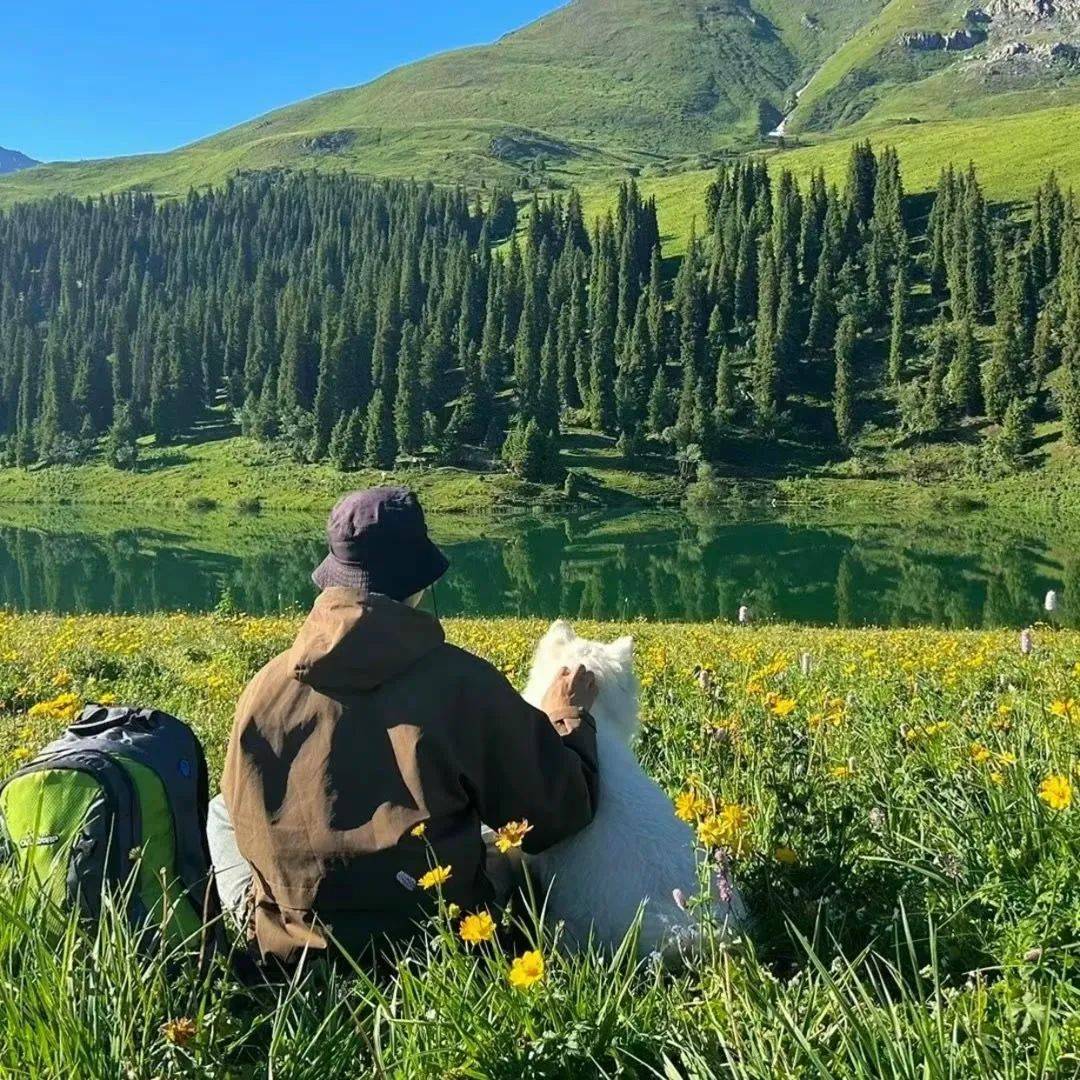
(636, 850)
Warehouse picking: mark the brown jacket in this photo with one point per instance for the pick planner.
(369, 725)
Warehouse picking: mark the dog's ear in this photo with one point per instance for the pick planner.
(560, 633)
(622, 651)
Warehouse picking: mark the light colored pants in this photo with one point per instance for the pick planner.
(233, 873)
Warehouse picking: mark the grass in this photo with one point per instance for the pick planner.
(863, 49)
(233, 473)
(1012, 152)
(921, 921)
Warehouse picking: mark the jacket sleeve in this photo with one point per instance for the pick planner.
(532, 766)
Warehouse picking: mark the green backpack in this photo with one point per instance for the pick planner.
(118, 802)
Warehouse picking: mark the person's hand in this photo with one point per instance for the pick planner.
(572, 689)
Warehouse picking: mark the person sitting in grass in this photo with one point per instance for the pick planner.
(364, 760)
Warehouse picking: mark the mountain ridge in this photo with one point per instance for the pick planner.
(593, 88)
(14, 161)
(599, 89)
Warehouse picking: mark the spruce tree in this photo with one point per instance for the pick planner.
(121, 448)
(1017, 434)
(900, 314)
(347, 443)
(725, 385)
(602, 369)
(1001, 380)
(659, 416)
(843, 385)
(766, 374)
(964, 382)
(380, 446)
(408, 408)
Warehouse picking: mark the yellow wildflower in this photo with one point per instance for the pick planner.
(997, 778)
(1056, 792)
(526, 970)
(785, 855)
(980, 754)
(418, 830)
(841, 772)
(783, 706)
(435, 877)
(689, 806)
(725, 829)
(179, 1032)
(511, 835)
(475, 929)
(20, 753)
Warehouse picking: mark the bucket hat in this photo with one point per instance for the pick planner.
(379, 543)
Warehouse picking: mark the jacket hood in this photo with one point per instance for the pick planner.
(353, 640)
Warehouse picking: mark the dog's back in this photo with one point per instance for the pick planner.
(635, 851)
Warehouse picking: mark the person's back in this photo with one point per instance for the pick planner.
(372, 725)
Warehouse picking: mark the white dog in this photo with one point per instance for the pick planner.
(636, 850)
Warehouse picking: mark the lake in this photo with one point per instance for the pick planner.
(602, 566)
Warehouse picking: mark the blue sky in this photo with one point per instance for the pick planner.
(82, 80)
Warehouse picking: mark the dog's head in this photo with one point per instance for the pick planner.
(612, 663)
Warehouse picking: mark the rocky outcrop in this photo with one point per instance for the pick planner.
(1056, 52)
(932, 41)
(1033, 10)
(923, 41)
(329, 143)
(959, 40)
(524, 146)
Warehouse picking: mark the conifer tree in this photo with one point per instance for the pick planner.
(346, 448)
(900, 311)
(1017, 433)
(942, 359)
(1001, 380)
(964, 383)
(766, 374)
(660, 417)
(602, 370)
(121, 448)
(843, 385)
(547, 404)
(380, 447)
(725, 385)
(408, 408)
(121, 361)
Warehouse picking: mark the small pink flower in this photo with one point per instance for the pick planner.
(725, 888)
(680, 898)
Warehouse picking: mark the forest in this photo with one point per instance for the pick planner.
(369, 322)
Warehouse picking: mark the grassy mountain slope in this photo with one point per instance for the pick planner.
(593, 87)
(1013, 154)
(1005, 57)
(859, 68)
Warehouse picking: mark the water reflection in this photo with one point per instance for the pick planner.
(604, 568)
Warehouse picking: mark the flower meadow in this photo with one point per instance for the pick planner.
(900, 810)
